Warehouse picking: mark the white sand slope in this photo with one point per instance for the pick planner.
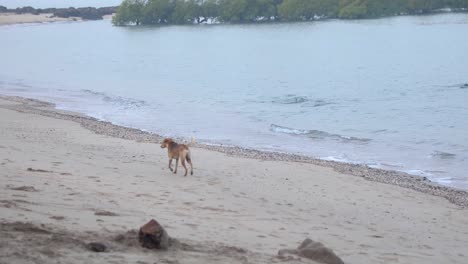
(232, 210)
(11, 18)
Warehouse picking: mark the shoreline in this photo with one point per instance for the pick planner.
(456, 196)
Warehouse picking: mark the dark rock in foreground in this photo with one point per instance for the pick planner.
(153, 236)
(315, 251)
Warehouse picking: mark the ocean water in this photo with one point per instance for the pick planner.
(389, 93)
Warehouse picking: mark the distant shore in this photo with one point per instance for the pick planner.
(11, 19)
(32, 15)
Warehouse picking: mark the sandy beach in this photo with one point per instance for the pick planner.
(11, 18)
(67, 179)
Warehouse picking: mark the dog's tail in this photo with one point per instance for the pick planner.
(192, 142)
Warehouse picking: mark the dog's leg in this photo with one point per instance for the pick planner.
(183, 165)
(189, 160)
(170, 164)
(176, 164)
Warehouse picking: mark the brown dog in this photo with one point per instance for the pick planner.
(178, 151)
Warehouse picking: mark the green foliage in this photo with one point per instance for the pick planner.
(158, 11)
(424, 6)
(129, 12)
(233, 11)
(377, 8)
(151, 12)
(457, 3)
(241, 11)
(293, 10)
(352, 9)
(209, 9)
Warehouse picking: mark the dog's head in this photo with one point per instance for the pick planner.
(166, 142)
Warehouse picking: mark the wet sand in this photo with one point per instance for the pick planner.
(60, 169)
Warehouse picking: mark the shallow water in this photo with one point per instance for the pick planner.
(387, 92)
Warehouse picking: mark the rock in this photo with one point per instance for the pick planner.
(315, 251)
(464, 86)
(96, 247)
(152, 235)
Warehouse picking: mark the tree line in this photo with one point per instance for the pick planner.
(152, 12)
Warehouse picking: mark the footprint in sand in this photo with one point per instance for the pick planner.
(7, 204)
(56, 163)
(55, 217)
(193, 226)
(23, 188)
(38, 170)
(104, 213)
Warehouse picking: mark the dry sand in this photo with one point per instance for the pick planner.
(63, 185)
(11, 18)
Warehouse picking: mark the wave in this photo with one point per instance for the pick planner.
(118, 100)
(442, 155)
(15, 85)
(459, 85)
(417, 172)
(294, 99)
(290, 99)
(317, 103)
(316, 134)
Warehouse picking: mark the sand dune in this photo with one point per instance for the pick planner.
(63, 185)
